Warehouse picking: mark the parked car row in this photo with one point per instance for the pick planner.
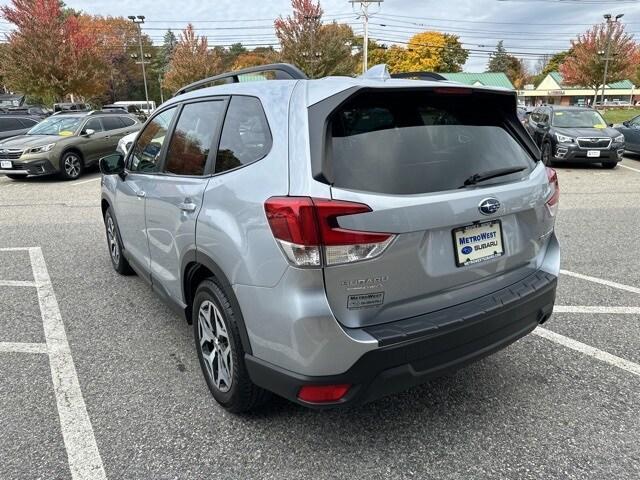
(65, 143)
(575, 134)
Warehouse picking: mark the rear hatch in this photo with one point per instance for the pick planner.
(451, 175)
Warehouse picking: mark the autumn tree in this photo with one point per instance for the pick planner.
(191, 60)
(426, 51)
(49, 55)
(584, 67)
(319, 50)
(514, 68)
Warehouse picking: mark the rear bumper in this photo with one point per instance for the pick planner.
(415, 350)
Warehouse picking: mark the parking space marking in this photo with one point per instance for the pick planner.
(595, 309)
(588, 350)
(16, 283)
(629, 168)
(619, 286)
(13, 347)
(82, 451)
(16, 249)
(85, 181)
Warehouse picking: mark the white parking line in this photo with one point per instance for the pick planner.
(629, 168)
(588, 350)
(16, 249)
(596, 309)
(85, 181)
(619, 286)
(16, 283)
(82, 451)
(12, 347)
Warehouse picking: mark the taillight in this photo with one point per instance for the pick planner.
(322, 393)
(307, 229)
(554, 198)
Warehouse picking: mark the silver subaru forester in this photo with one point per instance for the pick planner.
(336, 240)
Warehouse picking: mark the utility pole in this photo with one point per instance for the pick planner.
(607, 52)
(160, 82)
(365, 15)
(139, 20)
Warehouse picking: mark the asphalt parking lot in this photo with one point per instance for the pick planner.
(100, 380)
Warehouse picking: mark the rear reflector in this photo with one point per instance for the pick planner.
(305, 226)
(553, 202)
(322, 393)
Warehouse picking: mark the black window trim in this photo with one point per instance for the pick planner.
(213, 170)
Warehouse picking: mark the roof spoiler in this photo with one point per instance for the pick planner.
(283, 71)
(419, 75)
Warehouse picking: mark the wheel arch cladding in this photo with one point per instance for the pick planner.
(195, 269)
(72, 150)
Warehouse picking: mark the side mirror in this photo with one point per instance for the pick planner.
(112, 164)
(88, 132)
(625, 123)
(610, 125)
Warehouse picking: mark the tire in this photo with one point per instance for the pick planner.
(228, 381)
(546, 154)
(16, 177)
(71, 166)
(609, 164)
(114, 243)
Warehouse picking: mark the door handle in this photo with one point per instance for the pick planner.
(187, 207)
(141, 194)
(107, 137)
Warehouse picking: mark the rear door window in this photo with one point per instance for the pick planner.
(112, 123)
(127, 121)
(193, 137)
(412, 143)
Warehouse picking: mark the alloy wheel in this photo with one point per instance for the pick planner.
(72, 165)
(112, 237)
(215, 345)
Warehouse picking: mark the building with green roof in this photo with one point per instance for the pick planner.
(553, 90)
(488, 79)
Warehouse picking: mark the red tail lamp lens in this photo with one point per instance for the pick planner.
(322, 393)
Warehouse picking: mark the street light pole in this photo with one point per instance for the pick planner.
(139, 20)
(607, 53)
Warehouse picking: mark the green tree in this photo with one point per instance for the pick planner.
(499, 60)
(453, 56)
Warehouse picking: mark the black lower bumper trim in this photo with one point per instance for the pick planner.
(419, 354)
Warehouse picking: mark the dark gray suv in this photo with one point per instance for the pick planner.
(340, 239)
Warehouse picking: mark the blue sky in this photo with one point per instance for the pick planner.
(528, 27)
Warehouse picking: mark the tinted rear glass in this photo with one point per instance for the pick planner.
(409, 143)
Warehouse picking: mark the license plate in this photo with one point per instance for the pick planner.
(6, 164)
(593, 153)
(478, 243)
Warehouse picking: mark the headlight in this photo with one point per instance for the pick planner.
(619, 139)
(44, 148)
(564, 138)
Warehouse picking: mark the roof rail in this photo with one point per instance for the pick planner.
(419, 75)
(283, 71)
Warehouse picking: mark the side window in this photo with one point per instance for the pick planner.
(112, 123)
(635, 122)
(245, 136)
(146, 151)
(7, 124)
(193, 137)
(127, 122)
(93, 124)
(27, 122)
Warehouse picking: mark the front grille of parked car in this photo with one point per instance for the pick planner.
(10, 154)
(602, 142)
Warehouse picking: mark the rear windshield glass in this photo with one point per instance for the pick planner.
(409, 143)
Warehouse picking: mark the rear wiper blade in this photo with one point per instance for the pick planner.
(500, 172)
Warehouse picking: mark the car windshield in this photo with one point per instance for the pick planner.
(63, 126)
(578, 119)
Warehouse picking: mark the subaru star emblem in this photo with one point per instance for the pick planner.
(489, 206)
